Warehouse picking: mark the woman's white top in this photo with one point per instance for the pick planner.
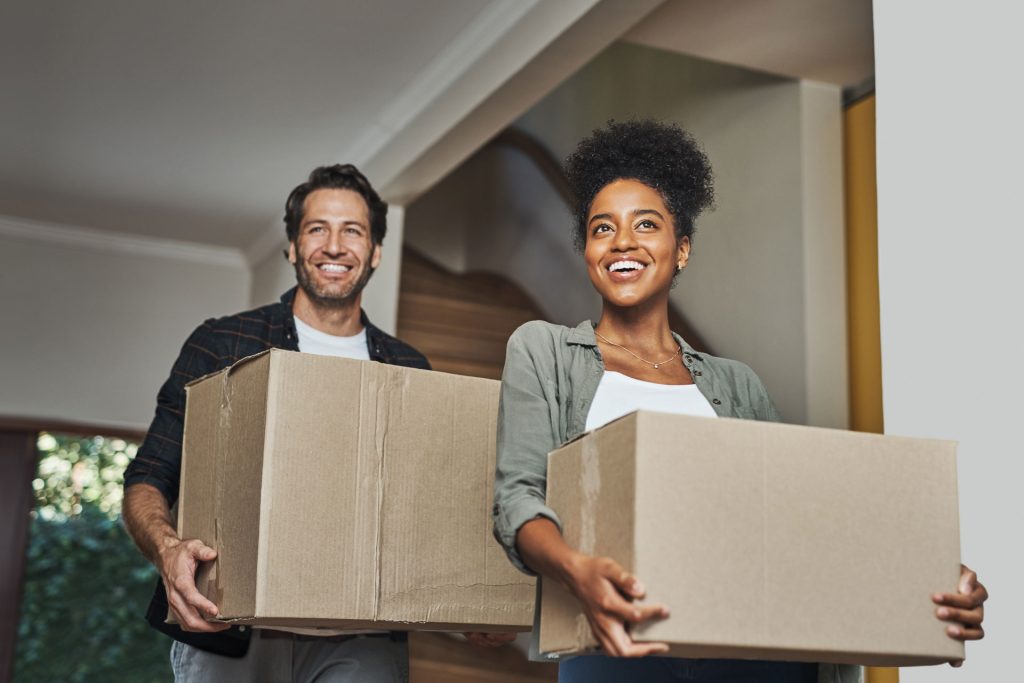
(312, 340)
(619, 395)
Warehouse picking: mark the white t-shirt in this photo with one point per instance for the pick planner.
(312, 340)
(619, 395)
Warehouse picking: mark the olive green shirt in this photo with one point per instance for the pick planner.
(550, 378)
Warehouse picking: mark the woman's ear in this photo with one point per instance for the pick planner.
(683, 253)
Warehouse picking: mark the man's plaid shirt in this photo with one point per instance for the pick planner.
(213, 346)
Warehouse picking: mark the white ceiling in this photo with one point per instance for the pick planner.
(830, 41)
(194, 119)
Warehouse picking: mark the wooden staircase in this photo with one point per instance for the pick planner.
(461, 322)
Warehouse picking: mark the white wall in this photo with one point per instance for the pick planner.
(949, 147)
(93, 323)
(765, 284)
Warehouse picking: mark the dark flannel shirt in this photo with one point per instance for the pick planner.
(213, 346)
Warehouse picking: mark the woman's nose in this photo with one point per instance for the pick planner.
(624, 239)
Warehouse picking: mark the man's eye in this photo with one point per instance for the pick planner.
(316, 228)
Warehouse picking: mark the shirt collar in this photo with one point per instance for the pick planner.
(375, 338)
(583, 335)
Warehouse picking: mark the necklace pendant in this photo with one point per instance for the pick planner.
(657, 366)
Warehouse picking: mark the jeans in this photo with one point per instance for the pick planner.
(287, 658)
(602, 669)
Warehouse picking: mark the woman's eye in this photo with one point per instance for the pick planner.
(646, 224)
(602, 228)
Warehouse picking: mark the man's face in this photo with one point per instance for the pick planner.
(333, 254)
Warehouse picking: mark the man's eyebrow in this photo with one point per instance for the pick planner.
(309, 221)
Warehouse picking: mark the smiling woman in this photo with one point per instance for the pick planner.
(638, 187)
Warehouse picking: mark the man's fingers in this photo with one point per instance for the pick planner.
(972, 617)
(626, 583)
(185, 585)
(189, 618)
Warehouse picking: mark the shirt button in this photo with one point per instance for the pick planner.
(716, 401)
(697, 372)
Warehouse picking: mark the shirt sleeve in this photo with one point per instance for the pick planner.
(158, 460)
(527, 432)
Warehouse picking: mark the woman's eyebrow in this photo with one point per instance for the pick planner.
(600, 216)
(644, 212)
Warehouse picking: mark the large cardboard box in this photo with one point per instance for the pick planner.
(765, 541)
(347, 494)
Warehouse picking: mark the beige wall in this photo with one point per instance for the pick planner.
(95, 324)
(765, 284)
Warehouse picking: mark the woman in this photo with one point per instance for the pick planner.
(638, 187)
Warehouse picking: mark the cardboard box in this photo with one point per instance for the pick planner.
(765, 541)
(347, 494)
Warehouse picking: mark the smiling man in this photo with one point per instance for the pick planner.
(335, 223)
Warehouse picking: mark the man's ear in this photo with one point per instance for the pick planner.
(292, 258)
(375, 258)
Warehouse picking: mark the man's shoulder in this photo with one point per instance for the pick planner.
(394, 351)
(238, 335)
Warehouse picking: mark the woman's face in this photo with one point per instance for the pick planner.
(631, 250)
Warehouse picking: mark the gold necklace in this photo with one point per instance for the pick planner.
(656, 366)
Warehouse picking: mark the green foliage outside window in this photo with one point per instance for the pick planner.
(86, 586)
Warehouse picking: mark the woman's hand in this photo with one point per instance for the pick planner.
(606, 591)
(964, 610)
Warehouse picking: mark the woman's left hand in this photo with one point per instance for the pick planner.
(490, 639)
(964, 610)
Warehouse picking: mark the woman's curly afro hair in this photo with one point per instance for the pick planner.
(660, 155)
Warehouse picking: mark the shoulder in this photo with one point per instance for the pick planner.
(394, 351)
(736, 372)
(539, 335)
(231, 337)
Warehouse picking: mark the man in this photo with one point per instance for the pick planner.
(335, 223)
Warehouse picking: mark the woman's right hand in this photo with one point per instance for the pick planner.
(607, 591)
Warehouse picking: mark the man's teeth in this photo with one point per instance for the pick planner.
(626, 265)
(334, 268)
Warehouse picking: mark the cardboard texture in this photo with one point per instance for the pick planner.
(765, 541)
(347, 494)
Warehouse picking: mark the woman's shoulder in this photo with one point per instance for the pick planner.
(735, 372)
(539, 334)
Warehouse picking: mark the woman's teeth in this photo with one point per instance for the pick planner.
(626, 265)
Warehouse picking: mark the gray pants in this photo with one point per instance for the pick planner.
(285, 658)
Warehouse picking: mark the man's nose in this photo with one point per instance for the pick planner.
(335, 243)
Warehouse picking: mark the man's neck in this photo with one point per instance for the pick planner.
(341, 321)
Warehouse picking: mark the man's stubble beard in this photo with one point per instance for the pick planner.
(327, 300)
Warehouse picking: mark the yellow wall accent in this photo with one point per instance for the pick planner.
(862, 284)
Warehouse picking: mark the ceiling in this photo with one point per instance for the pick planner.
(192, 120)
(831, 41)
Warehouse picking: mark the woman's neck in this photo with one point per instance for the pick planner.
(641, 328)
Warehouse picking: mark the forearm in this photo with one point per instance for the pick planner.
(147, 519)
(544, 551)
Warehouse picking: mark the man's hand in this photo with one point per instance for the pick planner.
(964, 610)
(147, 518)
(178, 564)
(606, 592)
(489, 639)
